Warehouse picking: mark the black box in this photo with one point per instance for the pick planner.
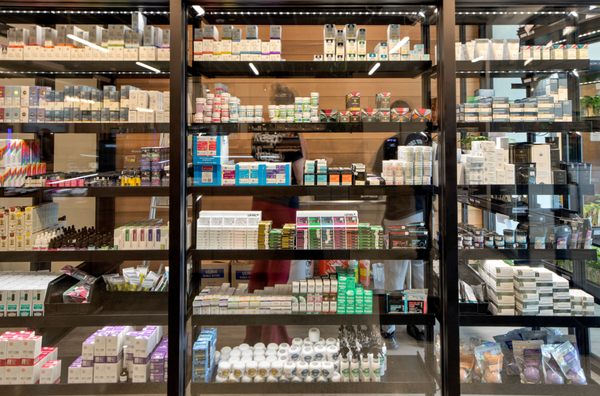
(559, 176)
(525, 173)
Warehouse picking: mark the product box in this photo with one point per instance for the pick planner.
(210, 149)
(207, 175)
(240, 273)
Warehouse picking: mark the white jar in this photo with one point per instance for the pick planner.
(276, 369)
(259, 378)
(246, 379)
(272, 347)
(314, 334)
(289, 369)
(331, 341)
(315, 369)
(251, 369)
(295, 352)
(297, 341)
(296, 379)
(302, 369)
(283, 354)
(244, 347)
(238, 369)
(259, 345)
(307, 353)
(263, 368)
(336, 377)
(327, 369)
(224, 369)
(333, 353)
(319, 353)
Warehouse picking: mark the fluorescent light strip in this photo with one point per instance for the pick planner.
(575, 73)
(374, 68)
(528, 61)
(87, 43)
(199, 10)
(142, 64)
(254, 69)
(475, 60)
(399, 45)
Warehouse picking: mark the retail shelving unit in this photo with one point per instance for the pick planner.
(570, 27)
(408, 373)
(574, 23)
(103, 308)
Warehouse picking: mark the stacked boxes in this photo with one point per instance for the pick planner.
(561, 298)
(19, 159)
(109, 350)
(227, 229)
(208, 154)
(159, 366)
(352, 298)
(551, 104)
(209, 45)
(488, 163)
(498, 277)
(350, 44)
(203, 355)
(526, 292)
(582, 303)
(509, 49)
(413, 167)
(23, 294)
(543, 278)
(142, 235)
(50, 372)
(315, 296)
(22, 357)
(19, 226)
(118, 42)
(80, 103)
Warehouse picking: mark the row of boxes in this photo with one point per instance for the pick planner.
(227, 229)
(84, 42)
(243, 174)
(350, 44)
(140, 235)
(80, 103)
(509, 49)
(217, 273)
(230, 46)
(23, 294)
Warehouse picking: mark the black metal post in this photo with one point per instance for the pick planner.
(177, 202)
(426, 78)
(448, 198)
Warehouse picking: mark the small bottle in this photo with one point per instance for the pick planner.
(124, 376)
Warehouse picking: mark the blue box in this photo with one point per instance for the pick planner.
(250, 174)
(210, 149)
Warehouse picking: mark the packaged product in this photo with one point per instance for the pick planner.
(567, 357)
(467, 363)
(488, 358)
(528, 356)
(550, 368)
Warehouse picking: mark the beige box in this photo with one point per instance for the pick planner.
(240, 272)
(214, 273)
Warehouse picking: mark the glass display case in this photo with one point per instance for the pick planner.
(526, 191)
(301, 197)
(312, 146)
(84, 119)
